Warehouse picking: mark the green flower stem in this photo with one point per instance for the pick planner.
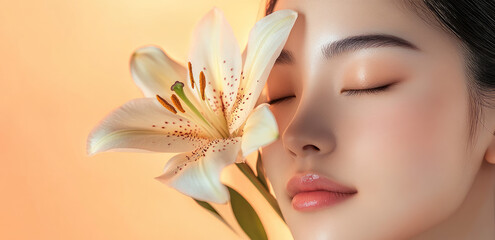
(177, 87)
(246, 169)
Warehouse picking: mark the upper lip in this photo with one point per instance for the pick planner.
(310, 181)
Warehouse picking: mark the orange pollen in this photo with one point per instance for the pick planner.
(165, 104)
(191, 77)
(176, 102)
(202, 84)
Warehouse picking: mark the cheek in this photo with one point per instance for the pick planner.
(284, 112)
(277, 166)
(411, 150)
(415, 128)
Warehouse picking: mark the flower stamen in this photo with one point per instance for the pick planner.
(165, 104)
(202, 84)
(191, 77)
(176, 102)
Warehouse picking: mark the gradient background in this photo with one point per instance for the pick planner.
(64, 65)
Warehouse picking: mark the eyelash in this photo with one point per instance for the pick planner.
(280, 99)
(367, 91)
(354, 92)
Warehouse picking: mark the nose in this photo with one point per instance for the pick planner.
(308, 134)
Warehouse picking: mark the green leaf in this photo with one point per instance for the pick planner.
(246, 216)
(248, 172)
(247, 169)
(261, 172)
(215, 213)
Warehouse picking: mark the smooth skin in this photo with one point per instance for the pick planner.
(404, 149)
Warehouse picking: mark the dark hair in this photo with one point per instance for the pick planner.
(473, 23)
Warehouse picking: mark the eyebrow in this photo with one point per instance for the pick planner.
(285, 57)
(353, 43)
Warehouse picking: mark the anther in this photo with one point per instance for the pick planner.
(202, 84)
(176, 102)
(191, 77)
(165, 104)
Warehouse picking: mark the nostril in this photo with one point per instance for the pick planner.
(307, 147)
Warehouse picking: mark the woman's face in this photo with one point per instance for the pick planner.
(403, 149)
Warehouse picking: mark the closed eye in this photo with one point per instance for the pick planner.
(367, 91)
(278, 100)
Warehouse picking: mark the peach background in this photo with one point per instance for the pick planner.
(63, 67)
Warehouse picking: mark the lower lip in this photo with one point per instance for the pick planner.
(308, 201)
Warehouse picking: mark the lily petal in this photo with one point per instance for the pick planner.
(265, 43)
(143, 124)
(197, 174)
(215, 52)
(260, 129)
(154, 72)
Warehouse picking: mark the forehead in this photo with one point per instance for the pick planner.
(351, 15)
(324, 21)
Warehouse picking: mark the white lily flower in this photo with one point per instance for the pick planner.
(212, 120)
